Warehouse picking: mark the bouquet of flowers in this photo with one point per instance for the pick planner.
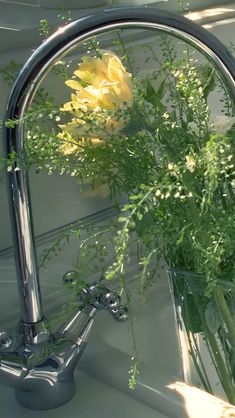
(151, 139)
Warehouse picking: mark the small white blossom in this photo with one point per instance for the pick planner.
(176, 73)
(190, 163)
(165, 115)
(171, 166)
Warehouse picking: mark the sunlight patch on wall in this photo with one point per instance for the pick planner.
(200, 404)
(202, 14)
(219, 23)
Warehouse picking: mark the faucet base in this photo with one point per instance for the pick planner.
(46, 396)
(40, 364)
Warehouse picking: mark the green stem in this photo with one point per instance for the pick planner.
(195, 353)
(224, 313)
(218, 360)
(216, 354)
(194, 350)
(221, 368)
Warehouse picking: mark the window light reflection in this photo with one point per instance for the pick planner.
(216, 11)
(219, 23)
(200, 404)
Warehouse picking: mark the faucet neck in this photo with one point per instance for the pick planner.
(23, 237)
(35, 333)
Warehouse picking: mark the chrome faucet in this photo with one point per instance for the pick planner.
(39, 363)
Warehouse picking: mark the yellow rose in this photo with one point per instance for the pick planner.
(109, 85)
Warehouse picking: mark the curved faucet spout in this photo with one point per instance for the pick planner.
(46, 379)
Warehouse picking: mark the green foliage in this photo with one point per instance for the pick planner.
(134, 371)
(10, 72)
(44, 30)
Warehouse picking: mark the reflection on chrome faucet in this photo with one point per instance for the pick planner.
(39, 363)
(42, 364)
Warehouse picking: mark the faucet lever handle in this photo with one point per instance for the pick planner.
(99, 296)
(120, 314)
(111, 301)
(108, 299)
(5, 340)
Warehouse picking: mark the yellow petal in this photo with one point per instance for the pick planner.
(97, 142)
(73, 84)
(68, 148)
(109, 84)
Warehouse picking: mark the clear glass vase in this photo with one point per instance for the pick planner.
(206, 331)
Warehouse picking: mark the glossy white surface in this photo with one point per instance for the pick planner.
(94, 399)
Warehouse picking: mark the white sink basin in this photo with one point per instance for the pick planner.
(94, 399)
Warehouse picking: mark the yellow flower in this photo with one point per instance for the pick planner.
(190, 163)
(108, 88)
(109, 85)
(78, 132)
(75, 135)
(69, 145)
